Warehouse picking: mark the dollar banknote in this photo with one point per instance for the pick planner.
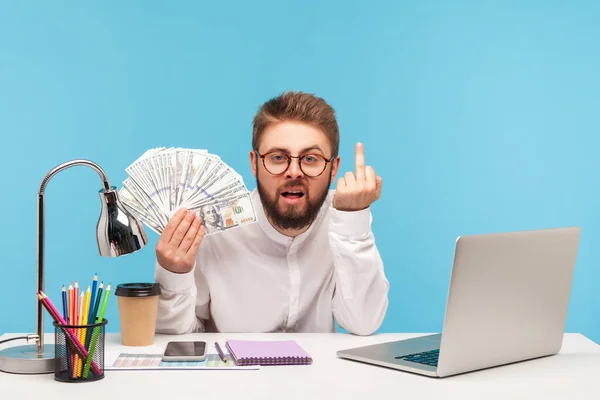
(224, 214)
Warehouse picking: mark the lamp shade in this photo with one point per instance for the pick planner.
(117, 232)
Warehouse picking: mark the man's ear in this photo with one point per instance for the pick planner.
(253, 162)
(335, 165)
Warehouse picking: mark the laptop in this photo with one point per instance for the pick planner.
(507, 302)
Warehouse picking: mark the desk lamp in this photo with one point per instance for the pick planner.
(117, 233)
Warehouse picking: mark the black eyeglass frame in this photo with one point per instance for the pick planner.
(289, 158)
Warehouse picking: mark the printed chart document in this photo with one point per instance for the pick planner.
(141, 361)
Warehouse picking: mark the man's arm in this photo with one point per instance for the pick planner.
(360, 300)
(361, 294)
(184, 301)
(185, 297)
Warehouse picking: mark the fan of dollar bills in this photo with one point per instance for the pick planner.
(163, 180)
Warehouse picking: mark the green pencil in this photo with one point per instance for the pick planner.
(88, 363)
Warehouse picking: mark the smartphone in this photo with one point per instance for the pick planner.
(185, 351)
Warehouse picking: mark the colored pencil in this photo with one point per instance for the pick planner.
(89, 319)
(97, 305)
(96, 331)
(94, 314)
(64, 302)
(68, 333)
(70, 322)
(79, 331)
(81, 306)
(84, 319)
(93, 299)
(86, 312)
(66, 316)
(76, 303)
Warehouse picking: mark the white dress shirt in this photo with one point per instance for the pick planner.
(254, 279)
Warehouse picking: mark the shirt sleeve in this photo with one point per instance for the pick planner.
(183, 304)
(361, 292)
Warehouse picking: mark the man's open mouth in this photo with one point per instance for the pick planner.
(292, 194)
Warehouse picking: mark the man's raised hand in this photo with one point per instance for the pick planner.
(359, 190)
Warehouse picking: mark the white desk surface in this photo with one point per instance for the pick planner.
(574, 373)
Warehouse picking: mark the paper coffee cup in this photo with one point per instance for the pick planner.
(138, 306)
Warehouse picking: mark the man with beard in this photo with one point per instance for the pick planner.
(309, 261)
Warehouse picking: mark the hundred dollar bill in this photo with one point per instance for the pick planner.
(231, 213)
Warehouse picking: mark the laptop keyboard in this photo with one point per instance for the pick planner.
(425, 357)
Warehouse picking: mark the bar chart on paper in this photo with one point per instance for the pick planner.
(133, 361)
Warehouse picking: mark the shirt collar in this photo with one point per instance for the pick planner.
(274, 234)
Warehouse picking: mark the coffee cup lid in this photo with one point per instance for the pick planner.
(137, 289)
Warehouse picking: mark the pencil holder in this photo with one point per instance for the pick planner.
(79, 352)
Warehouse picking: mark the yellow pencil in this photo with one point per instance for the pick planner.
(86, 310)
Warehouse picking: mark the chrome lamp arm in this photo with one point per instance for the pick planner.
(40, 235)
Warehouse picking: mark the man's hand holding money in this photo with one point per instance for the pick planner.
(178, 243)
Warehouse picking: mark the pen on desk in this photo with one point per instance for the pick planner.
(223, 358)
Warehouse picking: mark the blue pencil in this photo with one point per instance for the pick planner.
(88, 335)
(65, 305)
(93, 298)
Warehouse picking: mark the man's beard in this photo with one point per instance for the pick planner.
(291, 217)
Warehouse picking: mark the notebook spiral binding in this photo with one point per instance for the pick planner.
(273, 361)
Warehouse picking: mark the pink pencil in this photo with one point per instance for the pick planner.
(70, 321)
(75, 304)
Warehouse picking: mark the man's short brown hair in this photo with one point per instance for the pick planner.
(299, 107)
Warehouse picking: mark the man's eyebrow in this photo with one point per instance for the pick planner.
(272, 149)
(314, 147)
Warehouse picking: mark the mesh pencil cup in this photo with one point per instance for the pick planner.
(79, 352)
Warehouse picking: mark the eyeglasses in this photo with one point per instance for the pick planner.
(277, 162)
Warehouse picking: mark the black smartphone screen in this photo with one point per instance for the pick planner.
(185, 349)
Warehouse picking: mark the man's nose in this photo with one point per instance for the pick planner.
(294, 170)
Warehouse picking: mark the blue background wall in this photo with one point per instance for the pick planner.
(479, 116)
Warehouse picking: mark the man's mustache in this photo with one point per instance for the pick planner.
(294, 183)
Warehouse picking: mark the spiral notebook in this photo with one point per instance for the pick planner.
(272, 352)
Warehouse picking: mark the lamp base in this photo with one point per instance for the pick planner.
(26, 360)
